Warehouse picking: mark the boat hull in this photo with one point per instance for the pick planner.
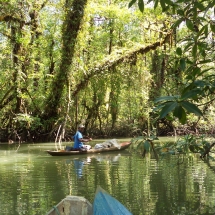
(123, 146)
(104, 203)
(72, 205)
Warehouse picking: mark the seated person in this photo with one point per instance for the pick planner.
(78, 140)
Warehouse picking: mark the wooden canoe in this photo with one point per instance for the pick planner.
(122, 146)
(103, 203)
(72, 205)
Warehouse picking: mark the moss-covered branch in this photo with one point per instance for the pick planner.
(113, 61)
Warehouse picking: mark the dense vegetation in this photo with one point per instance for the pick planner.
(102, 63)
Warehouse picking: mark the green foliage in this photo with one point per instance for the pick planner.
(195, 54)
(145, 143)
(27, 121)
(111, 84)
(178, 105)
(141, 5)
(185, 145)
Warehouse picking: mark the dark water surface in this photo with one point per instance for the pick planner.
(32, 182)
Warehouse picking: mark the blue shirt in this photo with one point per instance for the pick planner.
(78, 144)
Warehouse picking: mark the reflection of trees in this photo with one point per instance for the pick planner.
(144, 186)
(147, 186)
(181, 188)
(26, 190)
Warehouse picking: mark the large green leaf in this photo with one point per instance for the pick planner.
(131, 3)
(162, 3)
(206, 70)
(194, 72)
(202, 46)
(190, 62)
(199, 83)
(190, 94)
(199, 5)
(166, 98)
(183, 117)
(201, 31)
(182, 64)
(191, 108)
(180, 1)
(205, 61)
(189, 69)
(177, 23)
(178, 111)
(180, 12)
(146, 145)
(168, 108)
(141, 5)
(189, 24)
(169, 2)
(187, 47)
(155, 4)
(203, 53)
(206, 31)
(158, 107)
(189, 87)
(210, 5)
(194, 51)
(179, 51)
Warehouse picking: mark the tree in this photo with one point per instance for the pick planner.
(71, 26)
(195, 56)
(98, 62)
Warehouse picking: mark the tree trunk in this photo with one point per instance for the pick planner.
(71, 26)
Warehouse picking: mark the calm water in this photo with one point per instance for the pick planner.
(32, 182)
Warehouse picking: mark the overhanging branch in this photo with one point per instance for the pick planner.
(110, 62)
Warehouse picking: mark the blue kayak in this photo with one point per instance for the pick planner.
(105, 204)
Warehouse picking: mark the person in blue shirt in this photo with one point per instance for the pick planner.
(78, 140)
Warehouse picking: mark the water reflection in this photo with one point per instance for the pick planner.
(79, 163)
(32, 181)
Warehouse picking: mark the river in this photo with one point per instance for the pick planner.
(32, 181)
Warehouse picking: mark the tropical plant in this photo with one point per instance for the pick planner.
(195, 52)
(146, 143)
(182, 146)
